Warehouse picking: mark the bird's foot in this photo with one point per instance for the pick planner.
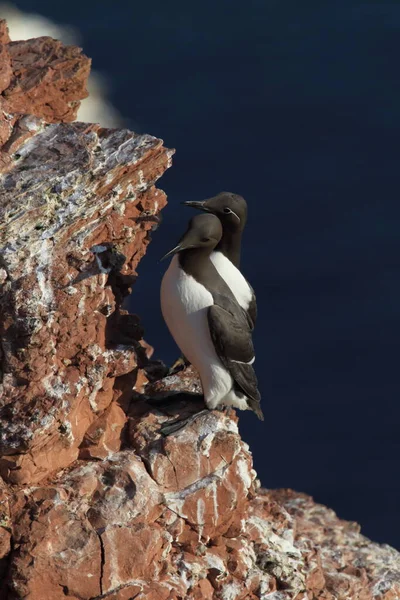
(173, 398)
(161, 401)
(178, 424)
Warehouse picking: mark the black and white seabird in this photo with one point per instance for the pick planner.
(208, 325)
(231, 209)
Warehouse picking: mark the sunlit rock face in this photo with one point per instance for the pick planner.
(77, 205)
(95, 502)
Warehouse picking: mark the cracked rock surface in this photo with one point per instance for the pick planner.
(95, 502)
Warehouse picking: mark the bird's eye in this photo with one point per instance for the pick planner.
(227, 210)
(205, 239)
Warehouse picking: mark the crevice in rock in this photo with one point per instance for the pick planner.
(102, 559)
(147, 466)
(118, 589)
(123, 327)
(174, 468)
(192, 526)
(199, 484)
(65, 591)
(5, 565)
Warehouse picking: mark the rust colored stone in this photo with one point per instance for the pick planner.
(40, 79)
(104, 435)
(56, 367)
(131, 553)
(203, 591)
(5, 67)
(4, 36)
(49, 79)
(125, 593)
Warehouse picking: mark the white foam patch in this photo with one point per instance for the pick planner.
(24, 25)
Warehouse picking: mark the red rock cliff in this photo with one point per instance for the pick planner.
(94, 501)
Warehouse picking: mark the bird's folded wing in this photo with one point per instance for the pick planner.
(231, 337)
(230, 330)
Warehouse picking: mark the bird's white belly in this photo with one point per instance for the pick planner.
(184, 305)
(233, 278)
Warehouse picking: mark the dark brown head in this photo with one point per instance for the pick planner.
(230, 208)
(204, 231)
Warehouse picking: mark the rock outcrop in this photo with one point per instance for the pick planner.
(95, 502)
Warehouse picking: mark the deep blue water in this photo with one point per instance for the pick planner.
(296, 106)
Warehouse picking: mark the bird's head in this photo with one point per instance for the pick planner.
(204, 231)
(230, 208)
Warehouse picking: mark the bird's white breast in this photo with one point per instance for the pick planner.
(184, 304)
(233, 278)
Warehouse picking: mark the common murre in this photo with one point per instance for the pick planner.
(231, 209)
(204, 318)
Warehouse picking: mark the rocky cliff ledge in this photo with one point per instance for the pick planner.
(94, 501)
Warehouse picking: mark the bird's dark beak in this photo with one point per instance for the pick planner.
(187, 241)
(171, 252)
(199, 205)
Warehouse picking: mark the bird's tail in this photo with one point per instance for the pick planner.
(254, 405)
(259, 412)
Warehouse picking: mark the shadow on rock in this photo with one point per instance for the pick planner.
(173, 400)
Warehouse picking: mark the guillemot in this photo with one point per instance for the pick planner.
(231, 209)
(210, 328)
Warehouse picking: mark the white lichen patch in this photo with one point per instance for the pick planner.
(112, 557)
(142, 186)
(96, 387)
(71, 291)
(43, 273)
(120, 208)
(244, 472)
(266, 595)
(200, 515)
(175, 501)
(214, 495)
(215, 562)
(82, 305)
(283, 546)
(230, 591)
(131, 193)
(206, 444)
(55, 387)
(56, 188)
